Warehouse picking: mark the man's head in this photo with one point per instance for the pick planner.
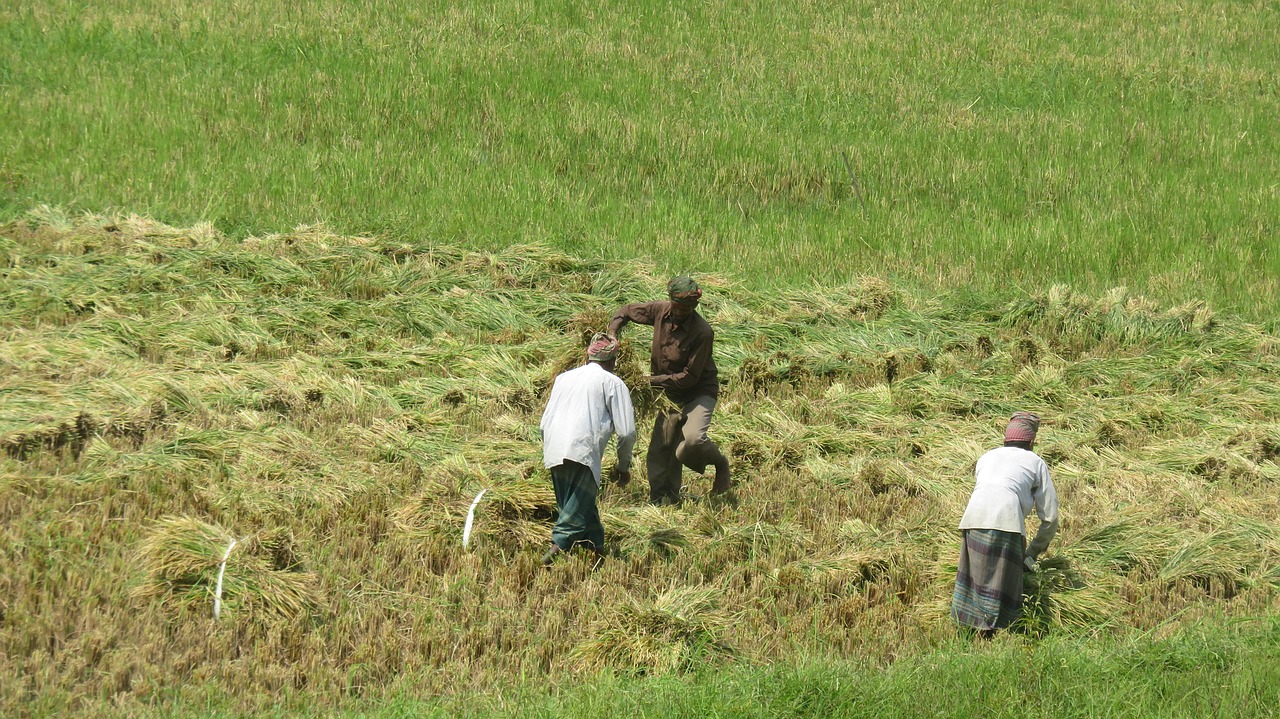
(603, 349)
(684, 294)
(1022, 428)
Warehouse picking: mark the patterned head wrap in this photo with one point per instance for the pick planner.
(684, 290)
(603, 348)
(1022, 427)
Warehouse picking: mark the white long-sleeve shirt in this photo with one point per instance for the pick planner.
(587, 405)
(1009, 481)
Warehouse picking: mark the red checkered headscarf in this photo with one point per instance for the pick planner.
(603, 348)
(1022, 427)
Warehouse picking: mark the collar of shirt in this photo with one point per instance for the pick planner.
(677, 321)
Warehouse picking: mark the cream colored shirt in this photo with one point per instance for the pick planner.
(587, 406)
(1009, 482)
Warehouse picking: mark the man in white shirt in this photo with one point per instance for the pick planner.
(1010, 480)
(588, 405)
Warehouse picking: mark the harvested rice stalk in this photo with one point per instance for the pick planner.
(520, 498)
(71, 433)
(103, 463)
(758, 539)
(1203, 460)
(679, 629)
(862, 564)
(180, 559)
(1218, 562)
(645, 531)
(430, 513)
(1057, 596)
(515, 511)
(882, 476)
(1128, 540)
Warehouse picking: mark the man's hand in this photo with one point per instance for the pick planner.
(621, 476)
(1030, 564)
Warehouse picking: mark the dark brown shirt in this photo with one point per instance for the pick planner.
(680, 358)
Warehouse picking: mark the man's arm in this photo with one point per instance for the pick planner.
(1046, 497)
(693, 368)
(624, 424)
(644, 313)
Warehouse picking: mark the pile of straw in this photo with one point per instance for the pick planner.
(180, 560)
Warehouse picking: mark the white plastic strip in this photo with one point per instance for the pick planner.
(471, 518)
(217, 595)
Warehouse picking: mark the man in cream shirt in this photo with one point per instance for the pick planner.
(1009, 482)
(588, 405)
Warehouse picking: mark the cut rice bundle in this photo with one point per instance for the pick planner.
(180, 560)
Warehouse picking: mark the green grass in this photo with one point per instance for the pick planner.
(1009, 147)
(1215, 670)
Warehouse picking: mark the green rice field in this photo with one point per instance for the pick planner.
(1003, 149)
(299, 276)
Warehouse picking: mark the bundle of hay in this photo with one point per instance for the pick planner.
(645, 531)
(180, 560)
(679, 629)
(1058, 596)
(755, 541)
(514, 511)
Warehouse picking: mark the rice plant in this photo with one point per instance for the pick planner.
(341, 421)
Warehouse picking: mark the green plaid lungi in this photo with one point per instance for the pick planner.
(988, 593)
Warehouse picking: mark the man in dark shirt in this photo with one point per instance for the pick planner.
(681, 365)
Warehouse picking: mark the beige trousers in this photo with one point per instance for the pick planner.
(680, 440)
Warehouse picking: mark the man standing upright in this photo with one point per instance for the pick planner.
(587, 406)
(681, 365)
